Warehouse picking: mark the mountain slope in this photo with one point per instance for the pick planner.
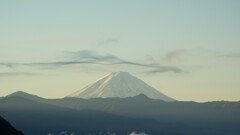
(119, 84)
(7, 129)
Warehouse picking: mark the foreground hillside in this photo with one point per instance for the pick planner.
(7, 129)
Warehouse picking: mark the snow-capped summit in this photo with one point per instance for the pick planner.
(119, 84)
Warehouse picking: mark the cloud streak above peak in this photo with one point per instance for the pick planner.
(91, 57)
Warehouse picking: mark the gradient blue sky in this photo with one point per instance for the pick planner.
(189, 50)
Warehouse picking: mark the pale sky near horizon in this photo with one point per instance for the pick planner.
(188, 50)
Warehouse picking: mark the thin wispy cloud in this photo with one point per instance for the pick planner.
(177, 54)
(174, 54)
(91, 57)
(5, 74)
(216, 54)
(230, 55)
(87, 56)
(164, 69)
(109, 41)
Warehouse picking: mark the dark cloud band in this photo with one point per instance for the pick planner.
(90, 57)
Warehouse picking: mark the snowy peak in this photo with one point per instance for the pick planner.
(116, 75)
(120, 73)
(119, 84)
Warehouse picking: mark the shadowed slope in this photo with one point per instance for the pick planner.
(7, 129)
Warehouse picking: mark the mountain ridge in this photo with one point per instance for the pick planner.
(25, 95)
(59, 114)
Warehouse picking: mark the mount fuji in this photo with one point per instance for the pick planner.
(119, 84)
